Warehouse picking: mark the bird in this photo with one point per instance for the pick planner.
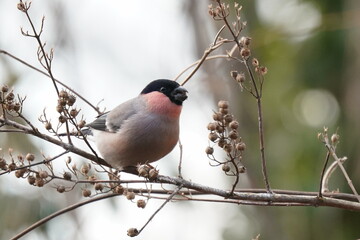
(143, 129)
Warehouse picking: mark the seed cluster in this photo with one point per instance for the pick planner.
(8, 100)
(224, 133)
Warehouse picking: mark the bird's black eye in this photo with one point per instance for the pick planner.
(162, 89)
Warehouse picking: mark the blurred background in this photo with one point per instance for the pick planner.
(109, 50)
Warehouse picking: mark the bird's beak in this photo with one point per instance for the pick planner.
(179, 94)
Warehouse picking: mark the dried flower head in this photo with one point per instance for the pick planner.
(71, 100)
(209, 150)
(43, 174)
(245, 41)
(48, 126)
(86, 192)
(130, 195)
(31, 179)
(119, 189)
(141, 203)
(74, 112)
(245, 53)
(4, 88)
(132, 232)
(85, 168)
(67, 175)
(60, 189)
(153, 174)
(99, 186)
(143, 170)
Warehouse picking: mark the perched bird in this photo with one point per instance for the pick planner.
(143, 129)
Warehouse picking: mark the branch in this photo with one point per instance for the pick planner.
(66, 146)
(60, 212)
(333, 154)
(213, 47)
(265, 199)
(57, 81)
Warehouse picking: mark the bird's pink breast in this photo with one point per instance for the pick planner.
(159, 103)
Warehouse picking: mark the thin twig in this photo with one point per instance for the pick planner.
(45, 161)
(180, 160)
(257, 95)
(162, 205)
(329, 171)
(41, 46)
(213, 47)
(57, 81)
(60, 212)
(322, 174)
(333, 154)
(47, 138)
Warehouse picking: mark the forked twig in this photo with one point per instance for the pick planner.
(57, 81)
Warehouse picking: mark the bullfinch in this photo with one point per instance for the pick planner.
(143, 129)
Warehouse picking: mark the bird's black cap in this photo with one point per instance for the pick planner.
(172, 89)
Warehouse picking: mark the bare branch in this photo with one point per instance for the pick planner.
(57, 81)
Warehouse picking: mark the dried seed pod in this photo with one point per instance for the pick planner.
(228, 118)
(74, 112)
(209, 150)
(119, 189)
(3, 164)
(240, 146)
(10, 96)
(240, 78)
(224, 111)
(71, 100)
(17, 107)
(227, 148)
(67, 175)
(211, 126)
(220, 129)
(242, 169)
(4, 88)
(234, 125)
(85, 168)
(60, 189)
(245, 41)
(132, 232)
(141, 203)
(143, 170)
(153, 174)
(217, 116)
(226, 167)
(223, 104)
(245, 52)
(61, 102)
(233, 134)
(31, 179)
(221, 142)
(30, 157)
(63, 94)
(213, 137)
(130, 195)
(99, 186)
(81, 123)
(20, 173)
(39, 182)
(43, 174)
(48, 126)
(62, 119)
(335, 138)
(12, 166)
(59, 108)
(86, 192)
